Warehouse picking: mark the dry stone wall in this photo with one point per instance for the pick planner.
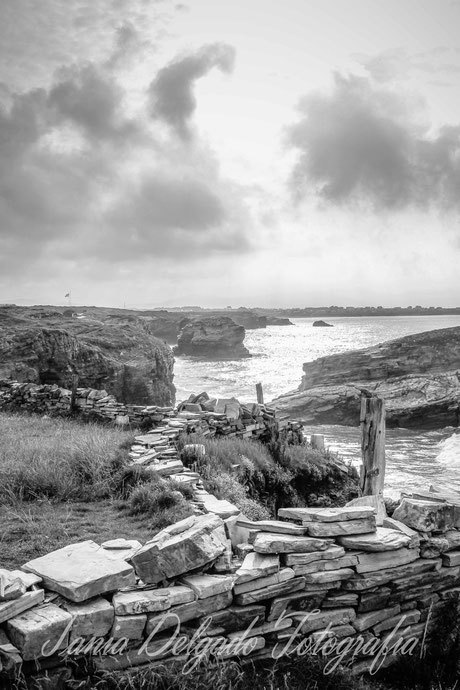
(224, 588)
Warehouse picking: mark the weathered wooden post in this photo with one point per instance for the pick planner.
(317, 442)
(372, 422)
(73, 397)
(260, 393)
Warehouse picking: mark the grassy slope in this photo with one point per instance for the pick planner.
(62, 482)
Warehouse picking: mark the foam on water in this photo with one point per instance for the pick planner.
(449, 451)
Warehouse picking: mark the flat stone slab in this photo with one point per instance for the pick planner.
(264, 629)
(368, 562)
(414, 536)
(451, 559)
(426, 516)
(282, 575)
(205, 586)
(339, 529)
(187, 545)
(297, 602)
(235, 617)
(265, 542)
(36, 632)
(348, 561)
(292, 585)
(383, 539)
(336, 600)
(257, 565)
(273, 526)
(131, 627)
(331, 553)
(374, 501)
(307, 515)
(11, 587)
(364, 621)
(407, 618)
(91, 619)
(329, 576)
(151, 600)
(121, 548)
(187, 612)
(365, 581)
(319, 620)
(9, 609)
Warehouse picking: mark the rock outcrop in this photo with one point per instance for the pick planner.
(212, 338)
(119, 355)
(322, 324)
(418, 376)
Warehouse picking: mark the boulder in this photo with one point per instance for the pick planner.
(81, 571)
(426, 516)
(131, 627)
(211, 337)
(187, 545)
(322, 324)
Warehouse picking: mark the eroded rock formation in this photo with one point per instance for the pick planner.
(119, 355)
(418, 376)
(212, 338)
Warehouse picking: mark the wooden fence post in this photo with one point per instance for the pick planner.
(372, 422)
(260, 393)
(317, 442)
(73, 397)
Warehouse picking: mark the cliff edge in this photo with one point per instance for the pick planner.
(417, 375)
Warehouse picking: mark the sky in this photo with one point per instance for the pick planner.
(252, 152)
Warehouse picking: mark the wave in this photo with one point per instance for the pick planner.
(450, 451)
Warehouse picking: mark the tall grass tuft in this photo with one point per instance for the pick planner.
(59, 459)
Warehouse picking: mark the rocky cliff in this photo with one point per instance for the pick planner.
(418, 376)
(212, 338)
(120, 355)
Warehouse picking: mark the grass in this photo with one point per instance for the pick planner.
(260, 479)
(61, 459)
(63, 481)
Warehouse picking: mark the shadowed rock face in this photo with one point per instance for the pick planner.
(418, 376)
(212, 338)
(119, 355)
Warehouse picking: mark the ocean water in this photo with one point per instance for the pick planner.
(414, 459)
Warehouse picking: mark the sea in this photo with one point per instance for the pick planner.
(415, 459)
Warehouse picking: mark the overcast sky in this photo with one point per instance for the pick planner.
(252, 152)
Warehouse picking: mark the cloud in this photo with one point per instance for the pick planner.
(363, 144)
(171, 92)
(397, 64)
(81, 180)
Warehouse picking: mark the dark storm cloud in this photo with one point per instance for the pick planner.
(91, 100)
(167, 216)
(361, 144)
(78, 178)
(171, 92)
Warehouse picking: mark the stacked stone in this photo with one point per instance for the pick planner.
(200, 414)
(245, 588)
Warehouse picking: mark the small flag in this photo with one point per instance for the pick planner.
(67, 295)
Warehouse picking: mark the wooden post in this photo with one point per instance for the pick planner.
(73, 397)
(317, 442)
(372, 421)
(260, 393)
